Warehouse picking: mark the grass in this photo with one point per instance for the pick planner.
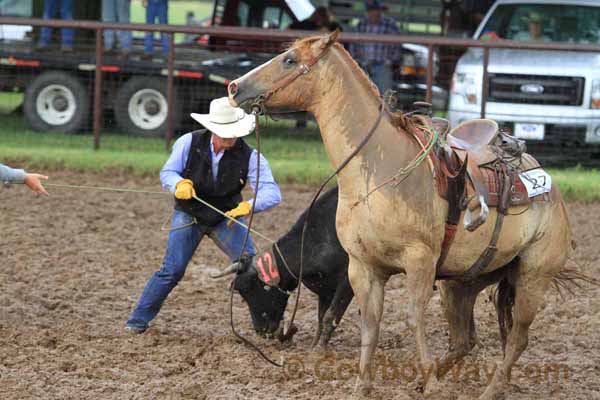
(177, 13)
(295, 156)
(577, 183)
(294, 159)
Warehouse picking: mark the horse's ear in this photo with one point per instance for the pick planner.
(329, 39)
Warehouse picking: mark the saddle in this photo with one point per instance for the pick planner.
(477, 166)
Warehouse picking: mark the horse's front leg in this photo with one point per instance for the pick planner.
(420, 275)
(369, 289)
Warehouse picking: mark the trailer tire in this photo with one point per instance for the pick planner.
(56, 101)
(141, 106)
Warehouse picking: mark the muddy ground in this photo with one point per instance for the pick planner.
(73, 265)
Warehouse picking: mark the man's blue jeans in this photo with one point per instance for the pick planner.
(156, 9)
(181, 245)
(382, 75)
(66, 13)
(116, 11)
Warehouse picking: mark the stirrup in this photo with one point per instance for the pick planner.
(472, 224)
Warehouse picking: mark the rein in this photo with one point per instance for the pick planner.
(248, 342)
(258, 107)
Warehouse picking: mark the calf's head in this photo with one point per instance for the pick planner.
(266, 303)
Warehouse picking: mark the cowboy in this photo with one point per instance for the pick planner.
(214, 166)
(379, 59)
(32, 181)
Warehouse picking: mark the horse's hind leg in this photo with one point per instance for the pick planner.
(529, 283)
(458, 301)
(369, 289)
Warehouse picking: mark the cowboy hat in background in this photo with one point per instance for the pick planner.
(225, 121)
(375, 5)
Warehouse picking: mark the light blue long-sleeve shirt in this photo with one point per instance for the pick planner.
(12, 175)
(268, 195)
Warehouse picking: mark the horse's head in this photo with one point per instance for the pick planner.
(285, 81)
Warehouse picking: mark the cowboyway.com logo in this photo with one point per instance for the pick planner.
(332, 369)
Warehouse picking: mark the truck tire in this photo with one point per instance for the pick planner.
(56, 101)
(141, 106)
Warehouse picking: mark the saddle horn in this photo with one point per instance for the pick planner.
(232, 269)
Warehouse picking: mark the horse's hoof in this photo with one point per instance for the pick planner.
(362, 389)
(496, 390)
(433, 389)
(493, 393)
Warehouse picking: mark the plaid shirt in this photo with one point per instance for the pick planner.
(366, 53)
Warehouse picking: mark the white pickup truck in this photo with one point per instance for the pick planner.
(549, 98)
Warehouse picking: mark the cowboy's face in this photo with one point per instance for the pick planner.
(223, 143)
(374, 15)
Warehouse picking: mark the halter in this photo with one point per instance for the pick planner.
(258, 106)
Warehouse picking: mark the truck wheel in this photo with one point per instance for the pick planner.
(56, 101)
(141, 107)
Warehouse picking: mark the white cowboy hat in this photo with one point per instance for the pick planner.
(226, 121)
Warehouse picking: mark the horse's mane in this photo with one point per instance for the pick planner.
(397, 118)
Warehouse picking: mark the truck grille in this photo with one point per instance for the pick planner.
(545, 90)
(555, 135)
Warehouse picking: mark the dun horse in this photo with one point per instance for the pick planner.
(399, 228)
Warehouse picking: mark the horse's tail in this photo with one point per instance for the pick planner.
(570, 279)
(504, 301)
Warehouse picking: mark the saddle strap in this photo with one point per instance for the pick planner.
(488, 254)
(456, 182)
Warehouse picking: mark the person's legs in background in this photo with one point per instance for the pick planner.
(49, 12)
(382, 76)
(163, 18)
(151, 14)
(109, 14)
(183, 241)
(67, 34)
(123, 15)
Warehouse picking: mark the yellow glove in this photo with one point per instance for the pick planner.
(241, 210)
(184, 190)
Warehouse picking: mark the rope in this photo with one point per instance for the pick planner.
(404, 172)
(314, 200)
(109, 189)
(247, 227)
(106, 189)
(248, 342)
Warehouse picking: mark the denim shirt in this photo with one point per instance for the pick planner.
(11, 175)
(268, 195)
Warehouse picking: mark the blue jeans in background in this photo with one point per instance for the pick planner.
(181, 245)
(116, 11)
(156, 9)
(66, 12)
(382, 75)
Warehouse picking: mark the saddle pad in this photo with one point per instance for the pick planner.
(492, 180)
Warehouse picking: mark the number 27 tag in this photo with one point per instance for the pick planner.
(267, 270)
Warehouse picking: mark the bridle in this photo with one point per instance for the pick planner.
(258, 105)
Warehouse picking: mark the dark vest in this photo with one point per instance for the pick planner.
(225, 193)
